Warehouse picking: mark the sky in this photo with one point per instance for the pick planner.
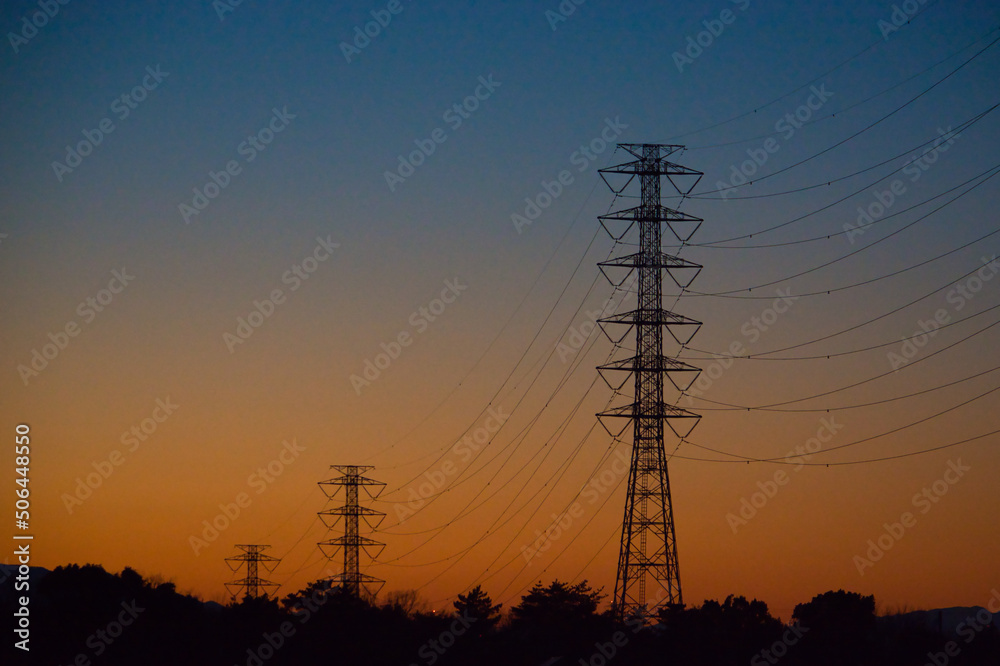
(241, 243)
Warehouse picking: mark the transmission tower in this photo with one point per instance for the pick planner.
(254, 586)
(648, 573)
(351, 479)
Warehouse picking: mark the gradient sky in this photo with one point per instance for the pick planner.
(519, 295)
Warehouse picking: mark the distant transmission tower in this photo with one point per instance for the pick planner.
(648, 573)
(252, 584)
(352, 580)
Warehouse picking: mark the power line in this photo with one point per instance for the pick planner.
(805, 85)
(850, 107)
(503, 328)
(871, 125)
(797, 462)
(908, 365)
(731, 293)
(717, 244)
(764, 355)
(738, 408)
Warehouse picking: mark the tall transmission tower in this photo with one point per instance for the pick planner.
(648, 573)
(252, 584)
(351, 479)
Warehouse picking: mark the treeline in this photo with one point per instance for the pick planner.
(85, 616)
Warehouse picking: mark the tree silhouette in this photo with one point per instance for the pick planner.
(559, 620)
(731, 632)
(841, 628)
(744, 616)
(82, 612)
(557, 601)
(477, 604)
(406, 602)
(315, 594)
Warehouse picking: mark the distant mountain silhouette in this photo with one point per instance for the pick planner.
(948, 621)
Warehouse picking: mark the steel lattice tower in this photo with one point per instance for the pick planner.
(648, 573)
(351, 479)
(255, 586)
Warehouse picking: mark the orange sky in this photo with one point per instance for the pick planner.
(226, 427)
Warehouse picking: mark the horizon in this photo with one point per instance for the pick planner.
(422, 605)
